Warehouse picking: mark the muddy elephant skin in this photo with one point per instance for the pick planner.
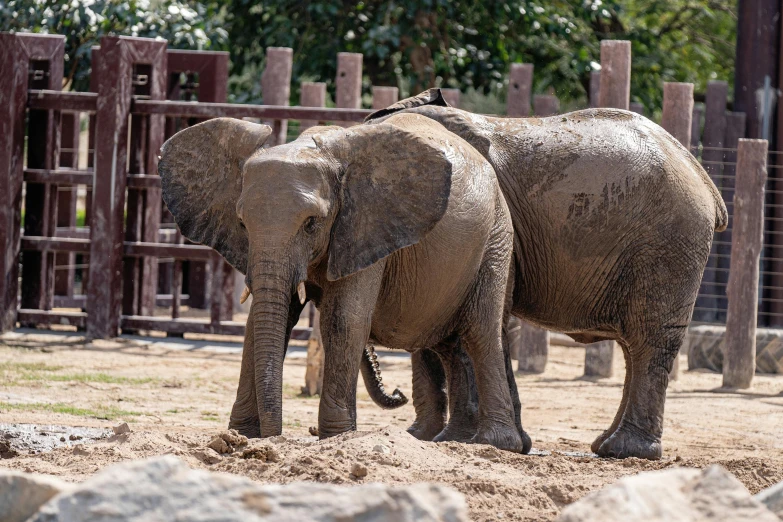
(397, 231)
(613, 223)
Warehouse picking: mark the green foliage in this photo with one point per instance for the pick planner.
(416, 44)
(185, 25)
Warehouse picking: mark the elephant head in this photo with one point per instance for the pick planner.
(315, 210)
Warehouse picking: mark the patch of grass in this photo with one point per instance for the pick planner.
(101, 412)
(210, 416)
(88, 377)
(29, 367)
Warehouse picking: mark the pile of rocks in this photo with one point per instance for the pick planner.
(165, 488)
(678, 495)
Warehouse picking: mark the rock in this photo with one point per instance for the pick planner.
(219, 445)
(227, 441)
(164, 488)
(772, 497)
(121, 429)
(676, 495)
(381, 448)
(22, 494)
(358, 470)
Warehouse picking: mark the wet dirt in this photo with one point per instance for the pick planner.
(30, 439)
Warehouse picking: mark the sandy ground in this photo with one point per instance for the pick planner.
(176, 398)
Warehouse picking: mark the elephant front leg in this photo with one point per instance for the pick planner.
(346, 318)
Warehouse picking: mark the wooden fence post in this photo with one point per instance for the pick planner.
(452, 96)
(698, 112)
(615, 90)
(276, 87)
(348, 84)
(532, 349)
(545, 105)
(598, 359)
(313, 94)
(739, 361)
(520, 88)
(314, 373)
(45, 58)
(382, 97)
(595, 89)
(677, 114)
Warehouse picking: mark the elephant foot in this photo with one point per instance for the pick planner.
(527, 442)
(425, 430)
(625, 443)
(502, 437)
(250, 429)
(457, 432)
(600, 440)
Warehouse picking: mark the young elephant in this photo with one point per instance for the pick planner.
(399, 228)
(613, 224)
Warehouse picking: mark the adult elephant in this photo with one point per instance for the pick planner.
(613, 223)
(398, 231)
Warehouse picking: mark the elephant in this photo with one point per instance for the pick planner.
(613, 223)
(398, 232)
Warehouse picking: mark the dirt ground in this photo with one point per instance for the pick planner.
(176, 398)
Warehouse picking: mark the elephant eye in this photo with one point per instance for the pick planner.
(310, 225)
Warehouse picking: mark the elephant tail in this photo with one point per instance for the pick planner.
(371, 373)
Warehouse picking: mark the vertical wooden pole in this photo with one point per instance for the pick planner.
(739, 361)
(595, 89)
(276, 87)
(114, 77)
(615, 90)
(735, 129)
(598, 359)
(520, 89)
(348, 83)
(545, 105)
(533, 348)
(13, 103)
(314, 373)
(382, 97)
(452, 96)
(677, 114)
(45, 56)
(313, 94)
(712, 159)
(678, 111)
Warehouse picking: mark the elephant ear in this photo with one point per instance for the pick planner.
(201, 174)
(394, 189)
(432, 96)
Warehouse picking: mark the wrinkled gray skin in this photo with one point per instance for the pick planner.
(613, 223)
(399, 231)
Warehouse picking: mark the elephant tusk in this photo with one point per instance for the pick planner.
(300, 289)
(244, 296)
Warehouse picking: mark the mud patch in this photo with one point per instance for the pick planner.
(31, 439)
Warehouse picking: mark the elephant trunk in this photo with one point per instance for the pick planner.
(371, 374)
(272, 297)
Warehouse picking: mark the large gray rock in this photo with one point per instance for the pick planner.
(22, 494)
(165, 488)
(772, 497)
(672, 495)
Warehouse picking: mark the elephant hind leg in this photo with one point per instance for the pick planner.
(429, 395)
(463, 398)
(639, 430)
(619, 415)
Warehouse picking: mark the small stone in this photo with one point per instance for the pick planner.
(313, 431)
(74, 437)
(380, 448)
(358, 470)
(207, 455)
(339, 453)
(62, 439)
(79, 449)
(122, 428)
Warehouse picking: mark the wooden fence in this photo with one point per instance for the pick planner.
(129, 257)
